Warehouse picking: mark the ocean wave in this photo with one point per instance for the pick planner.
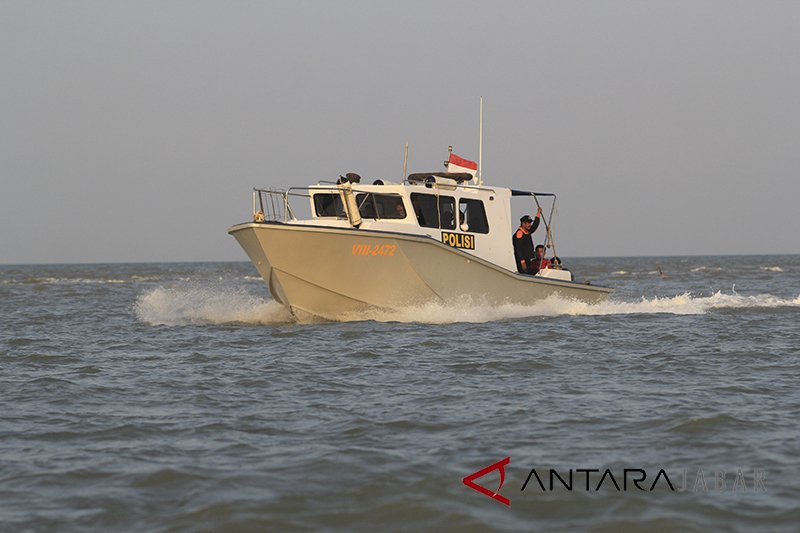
(180, 306)
(135, 277)
(32, 280)
(61, 281)
(706, 269)
(772, 268)
(98, 281)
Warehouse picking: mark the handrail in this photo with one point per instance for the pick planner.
(447, 186)
(272, 205)
(549, 241)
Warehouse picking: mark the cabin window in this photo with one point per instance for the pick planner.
(472, 216)
(328, 205)
(431, 215)
(380, 206)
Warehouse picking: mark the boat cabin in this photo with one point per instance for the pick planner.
(447, 207)
(442, 206)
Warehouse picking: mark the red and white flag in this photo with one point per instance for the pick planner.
(459, 164)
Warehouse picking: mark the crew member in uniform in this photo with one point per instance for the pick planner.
(523, 243)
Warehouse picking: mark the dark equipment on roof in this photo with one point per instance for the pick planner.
(459, 177)
(352, 177)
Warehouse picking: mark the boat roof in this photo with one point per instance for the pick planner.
(460, 178)
(517, 192)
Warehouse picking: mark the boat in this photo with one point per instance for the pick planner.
(442, 237)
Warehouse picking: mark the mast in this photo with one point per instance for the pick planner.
(480, 143)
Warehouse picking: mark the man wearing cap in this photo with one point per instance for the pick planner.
(523, 243)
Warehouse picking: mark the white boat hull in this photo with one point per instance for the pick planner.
(332, 273)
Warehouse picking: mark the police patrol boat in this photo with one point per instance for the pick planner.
(434, 237)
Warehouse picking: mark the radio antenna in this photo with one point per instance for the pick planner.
(405, 164)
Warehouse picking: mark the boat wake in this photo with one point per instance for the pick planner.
(180, 306)
(214, 305)
(684, 304)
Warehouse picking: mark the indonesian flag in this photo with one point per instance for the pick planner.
(459, 164)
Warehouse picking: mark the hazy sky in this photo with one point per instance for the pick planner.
(134, 131)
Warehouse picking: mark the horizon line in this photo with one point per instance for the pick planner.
(248, 261)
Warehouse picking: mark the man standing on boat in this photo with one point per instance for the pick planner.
(523, 243)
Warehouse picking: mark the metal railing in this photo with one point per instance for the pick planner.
(273, 205)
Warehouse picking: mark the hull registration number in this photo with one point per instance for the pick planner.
(375, 250)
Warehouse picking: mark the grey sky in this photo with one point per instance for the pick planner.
(134, 131)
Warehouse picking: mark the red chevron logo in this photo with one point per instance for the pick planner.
(469, 481)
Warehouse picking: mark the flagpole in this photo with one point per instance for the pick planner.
(480, 144)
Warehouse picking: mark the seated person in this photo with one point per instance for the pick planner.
(539, 260)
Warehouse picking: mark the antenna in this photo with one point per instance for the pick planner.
(405, 163)
(480, 144)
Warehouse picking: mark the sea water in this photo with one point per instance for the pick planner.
(180, 397)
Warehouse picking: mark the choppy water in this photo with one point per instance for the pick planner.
(165, 397)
